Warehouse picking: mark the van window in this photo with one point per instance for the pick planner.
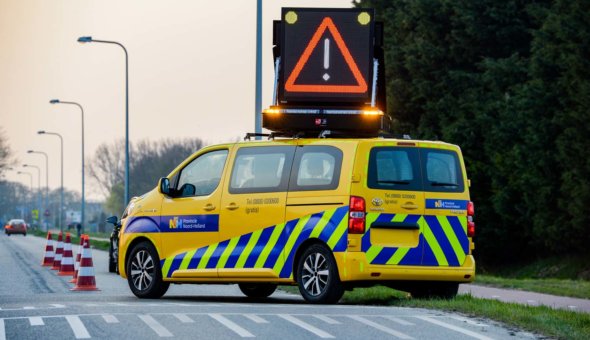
(393, 168)
(204, 172)
(442, 171)
(261, 169)
(316, 168)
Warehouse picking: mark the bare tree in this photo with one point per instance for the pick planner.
(6, 159)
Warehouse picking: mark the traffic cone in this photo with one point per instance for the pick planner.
(67, 260)
(86, 280)
(77, 263)
(58, 253)
(49, 254)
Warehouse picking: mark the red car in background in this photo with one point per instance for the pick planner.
(16, 226)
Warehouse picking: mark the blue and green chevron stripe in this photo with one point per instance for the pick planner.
(273, 247)
(443, 241)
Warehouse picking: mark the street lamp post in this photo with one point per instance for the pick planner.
(57, 101)
(46, 204)
(88, 40)
(258, 91)
(38, 186)
(61, 198)
(31, 186)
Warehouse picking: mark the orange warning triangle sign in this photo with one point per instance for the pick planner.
(327, 24)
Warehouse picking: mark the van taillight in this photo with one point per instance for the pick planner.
(470, 222)
(356, 215)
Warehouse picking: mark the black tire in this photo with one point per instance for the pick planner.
(144, 273)
(112, 259)
(317, 276)
(436, 290)
(257, 290)
(8, 234)
(25, 234)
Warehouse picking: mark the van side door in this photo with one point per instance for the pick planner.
(190, 216)
(253, 210)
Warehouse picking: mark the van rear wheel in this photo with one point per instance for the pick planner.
(317, 276)
(257, 290)
(144, 273)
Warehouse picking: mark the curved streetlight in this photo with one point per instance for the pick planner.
(38, 184)
(46, 205)
(61, 198)
(57, 101)
(87, 39)
(31, 178)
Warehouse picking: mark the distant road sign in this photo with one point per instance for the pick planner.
(326, 55)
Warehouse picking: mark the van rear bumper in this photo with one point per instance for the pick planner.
(353, 266)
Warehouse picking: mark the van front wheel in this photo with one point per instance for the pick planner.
(317, 276)
(144, 273)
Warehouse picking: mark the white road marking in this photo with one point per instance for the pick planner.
(572, 307)
(80, 332)
(36, 321)
(466, 320)
(306, 326)
(380, 327)
(327, 319)
(28, 307)
(232, 325)
(2, 330)
(495, 296)
(109, 318)
(118, 304)
(453, 327)
(56, 305)
(255, 318)
(531, 301)
(184, 318)
(178, 304)
(91, 305)
(155, 326)
(398, 320)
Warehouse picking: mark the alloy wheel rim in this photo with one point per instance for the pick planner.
(316, 274)
(142, 270)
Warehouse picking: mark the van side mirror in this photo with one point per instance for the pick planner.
(164, 186)
(114, 221)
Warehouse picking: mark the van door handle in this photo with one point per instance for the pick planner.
(209, 207)
(232, 206)
(410, 206)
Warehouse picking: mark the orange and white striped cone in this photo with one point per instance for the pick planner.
(77, 263)
(59, 250)
(67, 260)
(86, 280)
(49, 254)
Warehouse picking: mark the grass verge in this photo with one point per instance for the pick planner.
(543, 320)
(102, 245)
(562, 287)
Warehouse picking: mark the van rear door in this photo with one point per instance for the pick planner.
(390, 182)
(446, 193)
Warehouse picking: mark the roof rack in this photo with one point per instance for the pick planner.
(273, 135)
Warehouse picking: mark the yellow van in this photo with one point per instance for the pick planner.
(325, 214)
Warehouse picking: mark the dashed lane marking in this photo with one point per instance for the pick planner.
(80, 331)
(2, 330)
(109, 318)
(327, 320)
(56, 305)
(382, 328)
(36, 321)
(184, 318)
(232, 326)
(453, 327)
(306, 326)
(255, 318)
(155, 326)
(28, 307)
(398, 320)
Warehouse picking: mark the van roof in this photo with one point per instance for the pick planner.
(417, 142)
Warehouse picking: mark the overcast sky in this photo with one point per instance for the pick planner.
(192, 73)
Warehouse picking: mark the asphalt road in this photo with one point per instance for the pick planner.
(37, 304)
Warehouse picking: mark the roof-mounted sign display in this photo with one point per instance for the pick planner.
(326, 56)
